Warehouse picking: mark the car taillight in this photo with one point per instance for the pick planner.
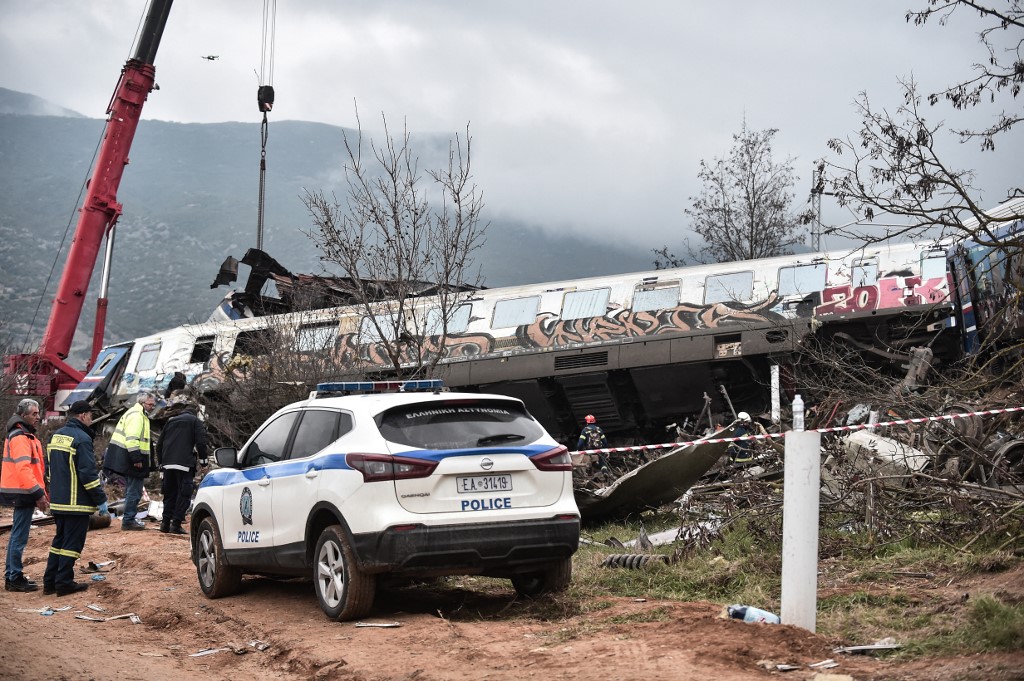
(377, 467)
(557, 459)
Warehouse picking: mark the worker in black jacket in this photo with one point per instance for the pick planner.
(182, 441)
(75, 494)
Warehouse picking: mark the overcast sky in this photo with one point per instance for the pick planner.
(590, 116)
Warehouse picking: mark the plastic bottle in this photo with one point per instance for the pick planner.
(749, 613)
(798, 413)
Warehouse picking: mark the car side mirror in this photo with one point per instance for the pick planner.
(226, 457)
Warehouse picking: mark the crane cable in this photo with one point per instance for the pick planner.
(265, 99)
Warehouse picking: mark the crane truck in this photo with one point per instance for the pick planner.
(46, 373)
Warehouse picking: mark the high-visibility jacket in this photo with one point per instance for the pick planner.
(129, 445)
(22, 474)
(75, 487)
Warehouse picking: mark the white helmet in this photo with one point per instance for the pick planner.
(743, 416)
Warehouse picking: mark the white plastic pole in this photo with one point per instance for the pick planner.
(776, 400)
(800, 529)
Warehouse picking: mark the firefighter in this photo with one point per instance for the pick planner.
(128, 454)
(742, 452)
(591, 437)
(75, 494)
(22, 485)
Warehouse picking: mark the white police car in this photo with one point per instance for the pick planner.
(344, 487)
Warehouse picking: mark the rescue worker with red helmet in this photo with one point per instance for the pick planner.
(591, 437)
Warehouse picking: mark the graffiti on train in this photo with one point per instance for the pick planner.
(889, 293)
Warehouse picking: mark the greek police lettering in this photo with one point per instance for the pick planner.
(249, 537)
(429, 412)
(486, 504)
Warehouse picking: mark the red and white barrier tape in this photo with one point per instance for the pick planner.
(860, 426)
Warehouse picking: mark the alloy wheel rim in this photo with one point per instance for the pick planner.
(330, 571)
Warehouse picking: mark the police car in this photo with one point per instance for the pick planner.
(357, 482)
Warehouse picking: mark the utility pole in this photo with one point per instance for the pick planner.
(817, 191)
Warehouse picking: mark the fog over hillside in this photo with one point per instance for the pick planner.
(190, 200)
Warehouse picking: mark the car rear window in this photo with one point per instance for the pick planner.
(459, 424)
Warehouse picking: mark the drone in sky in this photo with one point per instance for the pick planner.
(210, 57)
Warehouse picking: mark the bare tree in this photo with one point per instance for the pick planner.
(398, 243)
(744, 209)
(893, 164)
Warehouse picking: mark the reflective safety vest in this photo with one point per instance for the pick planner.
(129, 444)
(23, 469)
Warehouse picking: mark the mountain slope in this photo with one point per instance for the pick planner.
(190, 199)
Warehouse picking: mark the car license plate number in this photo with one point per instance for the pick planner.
(475, 484)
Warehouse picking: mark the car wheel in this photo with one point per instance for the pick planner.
(553, 578)
(342, 589)
(216, 577)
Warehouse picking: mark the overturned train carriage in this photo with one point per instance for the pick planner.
(639, 351)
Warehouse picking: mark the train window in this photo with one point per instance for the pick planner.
(368, 332)
(802, 280)
(655, 299)
(584, 304)
(865, 273)
(933, 265)
(721, 288)
(316, 337)
(458, 323)
(147, 358)
(202, 350)
(254, 342)
(515, 312)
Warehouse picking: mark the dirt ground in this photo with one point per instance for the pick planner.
(474, 631)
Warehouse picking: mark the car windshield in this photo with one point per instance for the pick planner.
(459, 424)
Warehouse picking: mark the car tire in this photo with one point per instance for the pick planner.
(342, 589)
(553, 578)
(216, 577)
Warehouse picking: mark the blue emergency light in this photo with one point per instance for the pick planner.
(349, 387)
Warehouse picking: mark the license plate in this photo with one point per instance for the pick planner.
(473, 484)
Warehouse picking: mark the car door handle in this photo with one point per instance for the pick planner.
(312, 473)
(264, 481)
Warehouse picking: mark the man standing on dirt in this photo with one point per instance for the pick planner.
(75, 494)
(128, 454)
(22, 485)
(182, 440)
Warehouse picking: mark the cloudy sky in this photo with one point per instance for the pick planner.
(589, 116)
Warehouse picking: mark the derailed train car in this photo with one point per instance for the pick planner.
(638, 351)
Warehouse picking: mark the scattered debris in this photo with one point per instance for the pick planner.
(131, 616)
(382, 625)
(208, 651)
(824, 664)
(749, 613)
(96, 608)
(887, 643)
(92, 567)
(634, 560)
(258, 644)
(98, 578)
(787, 667)
(654, 483)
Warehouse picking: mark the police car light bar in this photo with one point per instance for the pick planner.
(348, 387)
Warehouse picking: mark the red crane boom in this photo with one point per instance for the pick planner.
(45, 372)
